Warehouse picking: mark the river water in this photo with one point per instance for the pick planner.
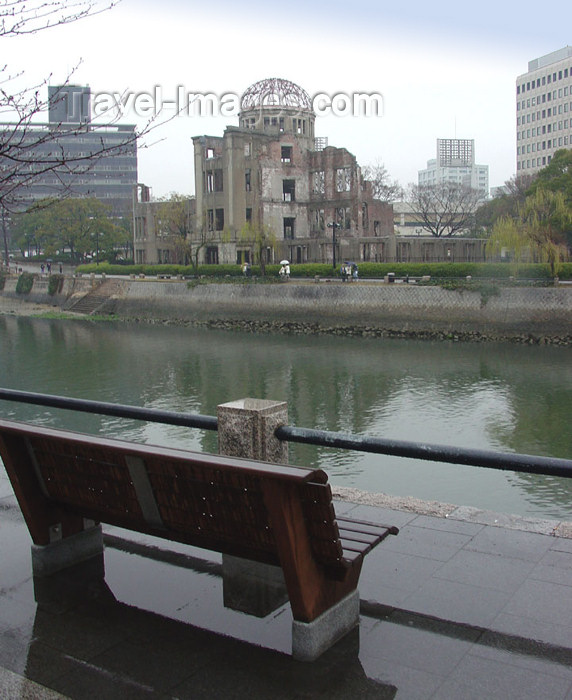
(490, 396)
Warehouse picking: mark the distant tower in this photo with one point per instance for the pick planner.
(455, 163)
(69, 104)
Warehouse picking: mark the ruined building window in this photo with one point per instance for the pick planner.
(248, 215)
(343, 179)
(212, 255)
(247, 150)
(286, 154)
(364, 216)
(210, 219)
(219, 219)
(344, 217)
(210, 153)
(209, 181)
(299, 126)
(318, 220)
(247, 180)
(289, 190)
(266, 121)
(319, 182)
(376, 228)
(289, 223)
(218, 180)
(281, 123)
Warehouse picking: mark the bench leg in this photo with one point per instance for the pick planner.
(49, 558)
(311, 639)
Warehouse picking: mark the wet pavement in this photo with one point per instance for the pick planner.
(458, 607)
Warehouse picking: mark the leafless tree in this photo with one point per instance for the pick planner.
(27, 150)
(18, 17)
(443, 209)
(382, 187)
(517, 187)
(19, 159)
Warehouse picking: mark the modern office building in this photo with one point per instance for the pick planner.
(455, 163)
(271, 173)
(543, 111)
(69, 155)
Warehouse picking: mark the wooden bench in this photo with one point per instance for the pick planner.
(269, 513)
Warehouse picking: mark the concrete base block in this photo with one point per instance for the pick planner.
(50, 558)
(311, 639)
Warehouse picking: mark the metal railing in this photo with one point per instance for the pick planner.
(530, 464)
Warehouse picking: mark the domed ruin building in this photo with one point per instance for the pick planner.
(271, 174)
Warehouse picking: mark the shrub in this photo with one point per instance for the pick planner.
(55, 284)
(367, 270)
(25, 283)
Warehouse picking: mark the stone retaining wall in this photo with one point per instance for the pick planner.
(363, 307)
(396, 307)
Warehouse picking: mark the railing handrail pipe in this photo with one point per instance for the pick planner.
(531, 464)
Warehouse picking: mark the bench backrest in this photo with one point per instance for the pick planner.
(216, 502)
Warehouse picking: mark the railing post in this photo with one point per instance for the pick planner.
(246, 429)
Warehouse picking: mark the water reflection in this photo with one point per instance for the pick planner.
(488, 396)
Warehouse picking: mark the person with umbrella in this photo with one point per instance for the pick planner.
(284, 270)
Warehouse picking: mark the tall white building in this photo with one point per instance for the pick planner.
(455, 162)
(543, 110)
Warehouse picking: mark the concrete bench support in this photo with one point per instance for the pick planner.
(50, 558)
(311, 639)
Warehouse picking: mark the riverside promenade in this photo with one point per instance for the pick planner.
(462, 604)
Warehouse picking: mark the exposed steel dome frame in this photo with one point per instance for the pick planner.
(275, 92)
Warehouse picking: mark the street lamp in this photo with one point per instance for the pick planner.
(333, 225)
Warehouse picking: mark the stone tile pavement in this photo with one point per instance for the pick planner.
(457, 607)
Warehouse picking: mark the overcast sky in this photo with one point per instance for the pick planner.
(445, 70)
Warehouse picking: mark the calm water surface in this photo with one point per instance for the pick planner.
(502, 397)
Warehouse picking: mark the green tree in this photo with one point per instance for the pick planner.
(80, 226)
(502, 206)
(174, 220)
(556, 177)
(261, 240)
(537, 232)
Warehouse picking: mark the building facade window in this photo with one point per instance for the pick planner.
(289, 227)
(343, 179)
(286, 154)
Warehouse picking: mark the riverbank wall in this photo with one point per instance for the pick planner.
(362, 308)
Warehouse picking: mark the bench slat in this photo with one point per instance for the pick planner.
(271, 513)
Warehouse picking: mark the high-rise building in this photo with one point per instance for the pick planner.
(455, 163)
(543, 110)
(68, 156)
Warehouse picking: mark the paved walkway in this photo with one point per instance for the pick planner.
(455, 607)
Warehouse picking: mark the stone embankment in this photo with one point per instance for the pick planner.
(524, 315)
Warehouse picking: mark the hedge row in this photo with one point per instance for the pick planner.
(366, 270)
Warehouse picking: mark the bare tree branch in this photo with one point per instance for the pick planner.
(18, 17)
(382, 187)
(443, 209)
